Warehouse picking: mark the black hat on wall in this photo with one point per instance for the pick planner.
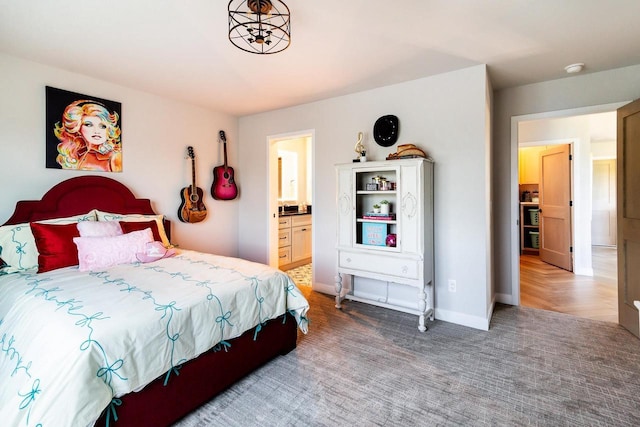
(385, 130)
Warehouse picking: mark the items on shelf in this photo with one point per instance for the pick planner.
(374, 233)
(534, 197)
(535, 239)
(380, 183)
(385, 207)
(407, 151)
(379, 216)
(359, 148)
(391, 240)
(529, 228)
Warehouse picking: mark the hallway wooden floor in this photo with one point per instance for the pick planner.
(550, 288)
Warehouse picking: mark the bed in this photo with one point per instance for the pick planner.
(130, 343)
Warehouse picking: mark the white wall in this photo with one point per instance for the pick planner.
(155, 133)
(572, 93)
(603, 150)
(447, 116)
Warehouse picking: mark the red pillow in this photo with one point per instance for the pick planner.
(55, 245)
(129, 226)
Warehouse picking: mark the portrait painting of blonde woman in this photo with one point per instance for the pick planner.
(83, 132)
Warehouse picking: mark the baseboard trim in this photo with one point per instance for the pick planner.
(584, 271)
(324, 288)
(475, 322)
(505, 299)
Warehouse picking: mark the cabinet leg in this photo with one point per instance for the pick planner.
(338, 290)
(422, 327)
(422, 307)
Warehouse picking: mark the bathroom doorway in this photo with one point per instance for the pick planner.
(291, 197)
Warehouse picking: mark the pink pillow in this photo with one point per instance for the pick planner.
(55, 245)
(100, 253)
(99, 229)
(154, 251)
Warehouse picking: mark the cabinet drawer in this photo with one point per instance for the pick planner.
(284, 256)
(284, 222)
(284, 238)
(299, 220)
(382, 264)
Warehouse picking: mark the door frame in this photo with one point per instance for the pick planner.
(272, 193)
(515, 197)
(571, 142)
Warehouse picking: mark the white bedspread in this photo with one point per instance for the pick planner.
(70, 341)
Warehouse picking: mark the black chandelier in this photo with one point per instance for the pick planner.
(259, 26)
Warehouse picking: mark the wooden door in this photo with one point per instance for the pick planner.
(555, 207)
(628, 152)
(603, 215)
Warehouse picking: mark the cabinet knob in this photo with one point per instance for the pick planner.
(348, 259)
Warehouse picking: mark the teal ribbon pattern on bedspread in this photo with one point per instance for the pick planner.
(86, 339)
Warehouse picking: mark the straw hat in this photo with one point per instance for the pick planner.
(406, 151)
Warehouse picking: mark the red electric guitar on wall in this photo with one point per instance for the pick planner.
(224, 186)
(192, 208)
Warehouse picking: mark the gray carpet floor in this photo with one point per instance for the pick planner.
(369, 366)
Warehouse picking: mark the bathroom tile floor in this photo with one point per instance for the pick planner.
(301, 275)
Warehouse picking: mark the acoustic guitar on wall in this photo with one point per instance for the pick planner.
(224, 185)
(192, 208)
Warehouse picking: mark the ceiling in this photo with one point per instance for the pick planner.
(179, 48)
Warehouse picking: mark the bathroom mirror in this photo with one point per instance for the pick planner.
(287, 175)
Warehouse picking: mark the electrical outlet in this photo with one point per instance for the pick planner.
(452, 285)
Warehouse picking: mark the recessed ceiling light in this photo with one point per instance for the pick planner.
(574, 68)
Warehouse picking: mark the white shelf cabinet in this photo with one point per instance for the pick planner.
(360, 254)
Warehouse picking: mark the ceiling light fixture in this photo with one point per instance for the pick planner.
(259, 26)
(574, 68)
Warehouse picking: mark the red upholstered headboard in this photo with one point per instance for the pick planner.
(79, 195)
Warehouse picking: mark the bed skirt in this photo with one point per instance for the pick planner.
(203, 378)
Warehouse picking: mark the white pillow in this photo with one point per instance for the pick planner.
(99, 228)
(100, 253)
(106, 216)
(18, 247)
